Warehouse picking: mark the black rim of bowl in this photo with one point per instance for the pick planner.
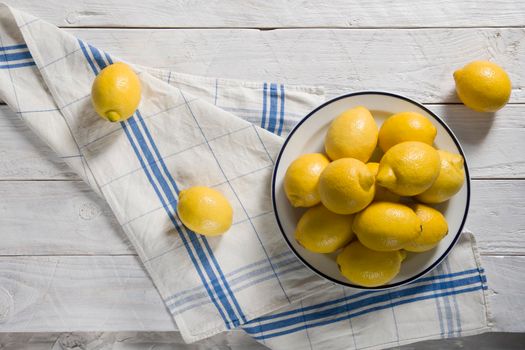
(458, 233)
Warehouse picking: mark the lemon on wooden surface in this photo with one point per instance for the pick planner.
(346, 186)
(434, 225)
(406, 126)
(483, 86)
(353, 134)
(116, 92)
(205, 210)
(301, 181)
(321, 231)
(409, 168)
(381, 193)
(369, 268)
(449, 181)
(385, 226)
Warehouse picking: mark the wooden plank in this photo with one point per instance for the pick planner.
(66, 218)
(493, 145)
(417, 63)
(232, 340)
(274, 13)
(506, 283)
(496, 216)
(44, 294)
(24, 156)
(62, 294)
(48, 218)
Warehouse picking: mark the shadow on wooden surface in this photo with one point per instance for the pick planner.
(234, 340)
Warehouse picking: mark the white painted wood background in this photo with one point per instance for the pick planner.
(66, 267)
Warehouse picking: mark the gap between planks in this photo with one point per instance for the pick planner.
(292, 27)
(473, 178)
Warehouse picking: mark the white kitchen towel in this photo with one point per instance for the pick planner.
(223, 134)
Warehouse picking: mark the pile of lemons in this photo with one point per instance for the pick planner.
(372, 213)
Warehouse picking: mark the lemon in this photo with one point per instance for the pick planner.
(450, 179)
(353, 134)
(381, 193)
(321, 231)
(409, 168)
(116, 92)
(483, 86)
(406, 126)
(385, 226)
(301, 182)
(346, 186)
(434, 225)
(205, 210)
(369, 268)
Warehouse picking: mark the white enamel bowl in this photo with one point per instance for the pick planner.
(308, 137)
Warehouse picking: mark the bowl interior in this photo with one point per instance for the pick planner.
(308, 137)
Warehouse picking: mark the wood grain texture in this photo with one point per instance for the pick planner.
(66, 218)
(493, 145)
(54, 218)
(274, 13)
(62, 294)
(24, 156)
(233, 340)
(417, 63)
(79, 294)
(506, 283)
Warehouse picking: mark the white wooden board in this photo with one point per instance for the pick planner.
(415, 62)
(66, 218)
(493, 144)
(62, 294)
(275, 13)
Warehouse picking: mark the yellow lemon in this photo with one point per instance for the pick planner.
(369, 268)
(434, 225)
(449, 182)
(353, 134)
(483, 86)
(409, 168)
(406, 126)
(205, 210)
(321, 231)
(301, 182)
(115, 93)
(381, 194)
(385, 226)
(346, 186)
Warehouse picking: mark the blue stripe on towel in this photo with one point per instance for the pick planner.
(373, 299)
(18, 65)
(273, 108)
(363, 312)
(13, 47)
(174, 221)
(7, 57)
(10, 58)
(167, 191)
(281, 119)
(172, 200)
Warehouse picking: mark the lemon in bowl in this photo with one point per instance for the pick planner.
(309, 136)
